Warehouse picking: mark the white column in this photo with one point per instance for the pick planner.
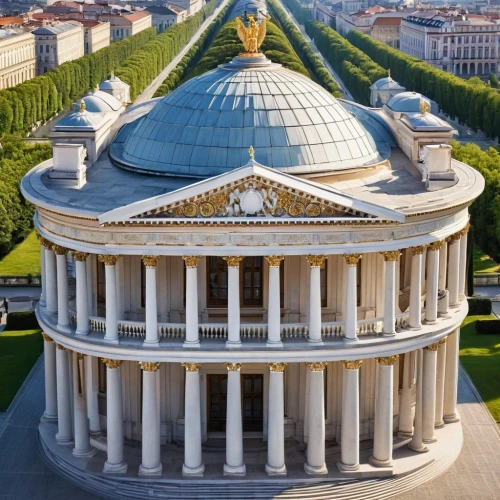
(151, 455)
(233, 301)
(273, 308)
(405, 405)
(111, 309)
(192, 335)
(114, 417)
(390, 259)
(431, 287)
(51, 280)
(49, 359)
(234, 465)
(443, 264)
(43, 243)
(349, 440)
(82, 310)
(382, 436)
(454, 269)
(150, 262)
(275, 465)
(415, 321)
(429, 392)
(440, 374)
(89, 269)
(120, 286)
(351, 302)
(416, 443)
(462, 276)
(316, 424)
(316, 262)
(193, 464)
(65, 426)
(91, 392)
(82, 447)
(451, 378)
(62, 287)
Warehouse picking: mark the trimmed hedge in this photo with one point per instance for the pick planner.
(24, 320)
(301, 13)
(479, 307)
(488, 326)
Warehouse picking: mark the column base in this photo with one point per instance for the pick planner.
(429, 441)
(439, 425)
(42, 303)
(110, 468)
(63, 441)
(191, 343)
(96, 434)
(111, 340)
(84, 454)
(64, 328)
(348, 339)
(451, 419)
(389, 334)
(422, 449)
(48, 418)
(235, 470)
(379, 463)
(346, 467)
(81, 332)
(455, 306)
(193, 472)
(315, 469)
(315, 341)
(152, 343)
(270, 343)
(150, 471)
(414, 328)
(233, 343)
(276, 471)
(430, 321)
(405, 435)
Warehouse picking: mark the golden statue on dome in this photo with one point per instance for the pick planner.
(251, 36)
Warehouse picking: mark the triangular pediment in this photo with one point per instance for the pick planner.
(252, 192)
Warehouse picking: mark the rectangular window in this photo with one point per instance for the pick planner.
(47, 49)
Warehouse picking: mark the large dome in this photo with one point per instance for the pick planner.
(206, 126)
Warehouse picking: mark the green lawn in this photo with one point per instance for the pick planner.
(483, 263)
(23, 259)
(480, 356)
(19, 349)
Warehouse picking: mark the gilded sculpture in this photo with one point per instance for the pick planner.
(251, 36)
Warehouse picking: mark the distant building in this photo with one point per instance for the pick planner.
(97, 35)
(56, 43)
(123, 26)
(192, 6)
(17, 56)
(387, 30)
(326, 12)
(351, 6)
(164, 16)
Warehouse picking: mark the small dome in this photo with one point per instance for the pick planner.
(82, 120)
(387, 83)
(429, 122)
(407, 102)
(101, 102)
(113, 83)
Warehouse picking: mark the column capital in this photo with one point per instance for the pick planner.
(391, 256)
(277, 367)
(80, 256)
(44, 241)
(432, 347)
(80, 355)
(61, 347)
(191, 260)
(435, 245)
(149, 366)
(318, 366)
(274, 260)
(417, 250)
(233, 367)
(352, 365)
(443, 341)
(109, 260)
(111, 363)
(317, 260)
(151, 260)
(456, 236)
(60, 250)
(191, 367)
(46, 337)
(233, 261)
(465, 230)
(388, 360)
(352, 259)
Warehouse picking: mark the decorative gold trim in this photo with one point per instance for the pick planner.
(317, 260)
(80, 256)
(46, 337)
(44, 241)
(191, 367)
(352, 259)
(277, 367)
(251, 152)
(391, 256)
(206, 209)
(274, 260)
(233, 367)
(60, 250)
(149, 366)
(443, 341)
(435, 246)
(417, 250)
(151, 260)
(352, 365)
(233, 261)
(112, 363)
(61, 347)
(191, 260)
(318, 366)
(296, 209)
(313, 210)
(109, 260)
(388, 360)
(456, 236)
(80, 356)
(432, 347)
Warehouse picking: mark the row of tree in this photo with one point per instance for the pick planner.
(301, 13)
(16, 214)
(354, 67)
(303, 49)
(478, 106)
(193, 55)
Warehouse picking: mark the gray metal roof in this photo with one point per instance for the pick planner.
(206, 126)
(100, 102)
(387, 83)
(407, 102)
(57, 29)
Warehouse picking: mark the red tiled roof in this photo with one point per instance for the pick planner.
(4, 21)
(387, 21)
(136, 16)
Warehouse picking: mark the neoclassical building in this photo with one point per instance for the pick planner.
(253, 281)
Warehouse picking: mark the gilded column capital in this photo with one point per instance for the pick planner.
(432, 347)
(191, 367)
(274, 260)
(80, 355)
(318, 366)
(112, 363)
(149, 366)
(233, 261)
(391, 256)
(151, 260)
(61, 347)
(191, 260)
(388, 360)
(352, 365)
(80, 256)
(418, 250)
(435, 245)
(44, 241)
(60, 250)
(233, 367)
(316, 260)
(46, 337)
(352, 259)
(456, 236)
(277, 367)
(443, 341)
(465, 230)
(108, 260)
